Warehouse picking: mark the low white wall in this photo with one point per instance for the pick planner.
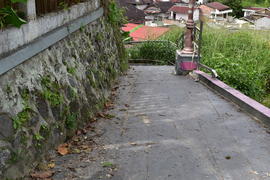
(12, 38)
(185, 16)
(263, 23)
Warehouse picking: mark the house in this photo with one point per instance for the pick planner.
(181, 13)
(140, 4)
(258, 16)
(158, 10)
(216, 10)
(251, 10)
(262, 23)
(202, 1)
(134, 14)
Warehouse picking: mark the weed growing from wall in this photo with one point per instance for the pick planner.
(51, 91)
(115, 16)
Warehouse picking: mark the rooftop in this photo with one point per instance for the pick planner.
(217, 5)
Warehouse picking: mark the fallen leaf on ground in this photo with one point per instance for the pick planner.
(133, 143)
(109, 105)
(76, 151)
(107, 164)
(51, 165)
(63, 149)
(42, 175)
(101, 115)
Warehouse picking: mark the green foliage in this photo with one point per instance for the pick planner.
(21, 118)
(51, 91)
(38, 137)
(162, 52)
(116, 14)
(15, 156)
(256, 3)
(241, 59)
(235, 5)
(71, 121)
(173, 35)
(63, 5)
(107, 164)
(25, 115)
(18, 1)
(71, 70)
(8, 16)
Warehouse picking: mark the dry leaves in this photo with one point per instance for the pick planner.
(51, 165)
(42, 175)
(63, 149)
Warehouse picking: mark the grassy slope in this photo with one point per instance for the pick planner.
(242, 60)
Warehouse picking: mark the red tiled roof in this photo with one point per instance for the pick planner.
(217, 5)
(128, 27)
(144, 32)
(179, 9)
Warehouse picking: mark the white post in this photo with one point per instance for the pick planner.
(29, 9)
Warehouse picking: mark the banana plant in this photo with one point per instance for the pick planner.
(9, 16)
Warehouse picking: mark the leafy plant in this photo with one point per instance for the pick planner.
(71, 121)
(162, 52)
(116, 14)
(8, 16)
(63, 5)
(51, 91)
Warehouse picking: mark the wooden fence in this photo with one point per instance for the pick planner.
(4, 3)
(47, 6)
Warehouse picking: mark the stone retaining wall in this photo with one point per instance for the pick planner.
(45, 99)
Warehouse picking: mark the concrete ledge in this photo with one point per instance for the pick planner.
(246, 103)
(24, 53)
(12, 38)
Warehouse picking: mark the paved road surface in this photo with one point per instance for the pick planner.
(169, 127)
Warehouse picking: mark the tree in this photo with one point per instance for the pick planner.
(236, 6)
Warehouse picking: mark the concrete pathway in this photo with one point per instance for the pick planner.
(169, 127)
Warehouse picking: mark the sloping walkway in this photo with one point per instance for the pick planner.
(169, 127)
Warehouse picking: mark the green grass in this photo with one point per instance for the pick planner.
(136, 28)
(255, 3)
(241, 58)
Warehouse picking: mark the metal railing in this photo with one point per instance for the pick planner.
(197, 42)
(197, 45)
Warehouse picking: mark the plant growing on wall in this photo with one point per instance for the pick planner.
(9, 16)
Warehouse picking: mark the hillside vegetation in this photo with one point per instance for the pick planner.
(242, 59)
(256, 3)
